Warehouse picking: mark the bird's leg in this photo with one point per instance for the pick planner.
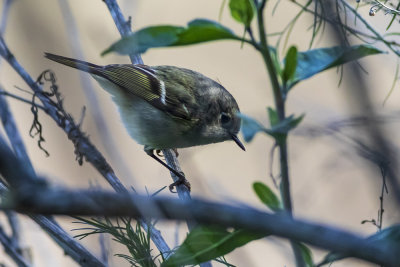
(181, 176)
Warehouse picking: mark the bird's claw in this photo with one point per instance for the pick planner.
(181, 181)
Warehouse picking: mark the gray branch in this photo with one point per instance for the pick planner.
(70, 246)
(15, 228)
(124, 29)
(83, 145)
(40, 199)
(12, 250)
(102, 203)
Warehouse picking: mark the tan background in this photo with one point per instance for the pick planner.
(330, 182)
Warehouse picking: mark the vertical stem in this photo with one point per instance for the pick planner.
(280, 109)
(285, 184)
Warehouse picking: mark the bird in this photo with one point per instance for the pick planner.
(166, 107)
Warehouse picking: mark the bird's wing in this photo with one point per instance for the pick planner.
(142, 81)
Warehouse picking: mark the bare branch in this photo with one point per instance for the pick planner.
(44, 200)
(170, 156)
(123, 25)
(102, 203)
(12, 250)
(124, 29)
(70, 246)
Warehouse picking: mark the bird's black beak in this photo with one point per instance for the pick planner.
(237, 141)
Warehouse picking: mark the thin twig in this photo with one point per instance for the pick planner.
(104, 248)
(362, 102)
(15, 229)
(21, 99)
(384, 190)
(124, 29)
(4, 17)
(376, 36)
(70, 246)
(387, 8)
(11, 250)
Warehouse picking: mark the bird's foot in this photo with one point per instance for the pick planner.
(181, 181)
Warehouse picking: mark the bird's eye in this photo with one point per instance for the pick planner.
(225, 118)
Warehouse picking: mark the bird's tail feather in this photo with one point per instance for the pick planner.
(74, 63)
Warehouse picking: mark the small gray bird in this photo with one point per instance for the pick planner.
(166, 107)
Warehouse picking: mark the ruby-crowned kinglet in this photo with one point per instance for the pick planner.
(165, 107)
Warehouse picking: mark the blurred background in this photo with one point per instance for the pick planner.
(330, 182)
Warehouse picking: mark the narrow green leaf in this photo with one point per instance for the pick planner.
(273, 117)
(275, 59)
(267, 196)
(242, 11)
(197, 31)
(315, 61)
(205, 243)
(290, 64)
(307, 255)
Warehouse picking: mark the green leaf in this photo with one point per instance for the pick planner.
(307, 255)
(273, 117)
(250, 127)
(267, 197)
(205, 243)
(289, 123)
(275, 59)
(290, 64)
(279, 129)
(197, 31)
(242, 11)
(315, 61)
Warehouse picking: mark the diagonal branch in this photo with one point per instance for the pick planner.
(124, 29)
(69, 245)
(83, 145)
(12, 250)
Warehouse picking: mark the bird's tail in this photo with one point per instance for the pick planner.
(74, 63)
